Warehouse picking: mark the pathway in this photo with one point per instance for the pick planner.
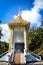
(36, 63)
(3, 63)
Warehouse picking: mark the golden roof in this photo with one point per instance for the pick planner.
(18, 20)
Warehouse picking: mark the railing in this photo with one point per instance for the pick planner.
(11, 59)
(3, 54)
(35, 55)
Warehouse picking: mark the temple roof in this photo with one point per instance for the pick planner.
(18, 20)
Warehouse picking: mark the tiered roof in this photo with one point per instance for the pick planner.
(18, 21)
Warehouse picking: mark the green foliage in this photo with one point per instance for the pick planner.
(3, 47)
(36, 38)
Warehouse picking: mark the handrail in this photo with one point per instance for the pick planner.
(3, 54)
(39, 57)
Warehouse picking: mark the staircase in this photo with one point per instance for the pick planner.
(19, 58)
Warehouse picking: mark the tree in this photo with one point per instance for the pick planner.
(3, 47)
(36, 38)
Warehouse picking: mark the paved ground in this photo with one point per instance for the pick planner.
(3, 63)
(36, 63)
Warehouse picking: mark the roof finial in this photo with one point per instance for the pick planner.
(19, 11)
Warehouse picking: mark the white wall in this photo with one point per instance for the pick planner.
(18, 36)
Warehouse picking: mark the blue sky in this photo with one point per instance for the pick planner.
(9, 8)
(31, 11)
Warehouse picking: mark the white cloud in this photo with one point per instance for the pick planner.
(14, 16)
(38, 24)
(5, 32)
(33, 16)
(38, 4)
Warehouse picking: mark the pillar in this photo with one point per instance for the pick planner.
(24, 45)
(11, 41)
(25, 39)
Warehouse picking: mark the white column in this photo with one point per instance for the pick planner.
(25, 45)
(11, 40)
(25, 39)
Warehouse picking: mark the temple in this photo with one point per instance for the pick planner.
(18, 38)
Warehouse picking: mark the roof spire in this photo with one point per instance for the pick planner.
(19, 11)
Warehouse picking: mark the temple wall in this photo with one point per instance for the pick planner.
(18, 36)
